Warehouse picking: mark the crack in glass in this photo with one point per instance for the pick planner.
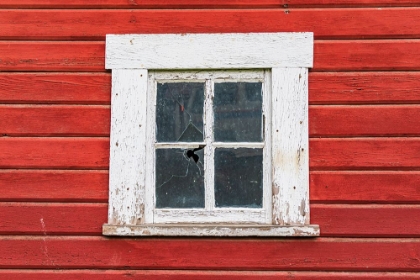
(179, 112)
(180, 178)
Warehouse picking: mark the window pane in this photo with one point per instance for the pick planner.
(179, 112)
(179, 178)
(238, 177)
(238, 112)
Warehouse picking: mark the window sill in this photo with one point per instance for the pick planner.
(211, 230)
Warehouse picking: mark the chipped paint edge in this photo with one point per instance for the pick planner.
(212, 230)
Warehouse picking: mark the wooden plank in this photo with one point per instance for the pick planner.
(353, 121)
(325, 121)
(57, 120)
(178, 4)
(372, 55)
(354, 55)
(335, 220)
(128, 140)
(289, 146)
(367, 220)
(59, 274)
(325, 154)
(52, 56)
(364, 87)
(58, 88)
(90, 24)
(69, 153)
(199, 51)
(365, 187)
(188, 4)
(324, 88)
(365, 154)
(52, 218)
(393, 255)
(53, 185)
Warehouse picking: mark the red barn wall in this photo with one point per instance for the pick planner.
(364, 141)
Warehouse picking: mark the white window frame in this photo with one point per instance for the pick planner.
(209, 214)
(285, 56)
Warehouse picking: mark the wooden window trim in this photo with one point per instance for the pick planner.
(288, 57)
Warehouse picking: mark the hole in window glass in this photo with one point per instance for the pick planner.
(180, 178)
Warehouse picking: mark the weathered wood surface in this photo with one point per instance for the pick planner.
(364, 88)
(324, 88)
(335, 220)
(64, 180)
(365, 154)
(371, 120)
(128, 147)
(365, 186)
(58, 153)
(289, 146)
(55, 88)
(325, 186)
(200, 51)
(188, 4)
(324, 121)
(97, 274)
(323, 254)
(349, 55)
(90, 24)
(42, 120)
(54, 185)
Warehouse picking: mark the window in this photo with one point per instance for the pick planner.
(209, 134)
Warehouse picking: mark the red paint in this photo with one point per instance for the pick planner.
(335, 220)
(364, 121)
(316, 254)
(364, 88)
(90, 24)
(365, 187)
(42, 88)
(364, 94)
(54, 185)
(185, 4)
(19, 274)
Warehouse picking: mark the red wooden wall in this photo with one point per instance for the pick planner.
(364, 145)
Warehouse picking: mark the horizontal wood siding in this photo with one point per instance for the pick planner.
(96, 274)
(364, 128)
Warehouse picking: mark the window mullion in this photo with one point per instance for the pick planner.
(209, 149)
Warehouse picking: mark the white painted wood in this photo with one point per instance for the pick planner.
(149, 195)
(239, 144)
(212, 215)
(209, 51)
(208, 123)
(290, 157)
(203, 75)
(267, 176)
(179, 145)
(212, 230)
(127, 147)
(286, 188)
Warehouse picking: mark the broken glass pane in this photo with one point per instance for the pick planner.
(238, 112)
(179, 112)
(238, 177)
(180, 178)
